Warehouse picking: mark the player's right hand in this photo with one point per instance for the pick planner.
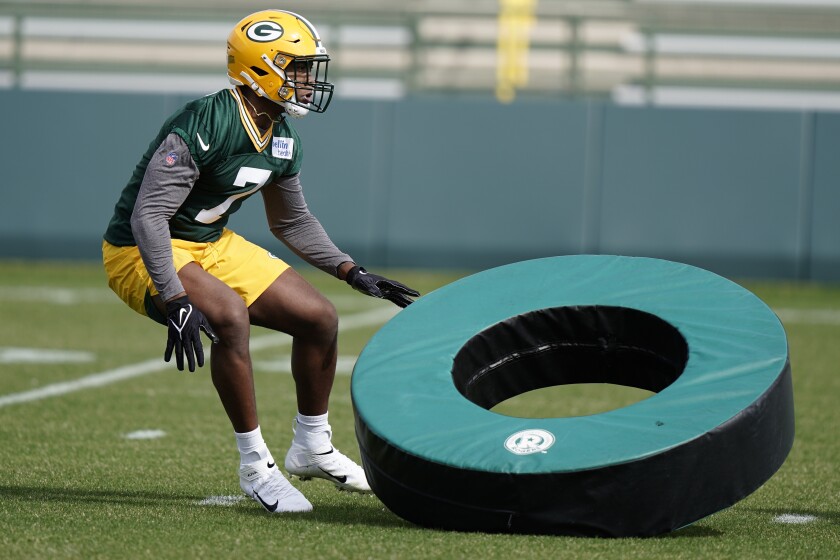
(185, 322)
(380, 287)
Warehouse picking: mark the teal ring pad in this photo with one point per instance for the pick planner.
(719, 425)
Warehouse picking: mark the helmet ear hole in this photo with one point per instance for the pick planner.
(259, 71)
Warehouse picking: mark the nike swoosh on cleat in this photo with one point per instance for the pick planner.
(271, 465)
(272, 508)
(342, 479)
(326, 452)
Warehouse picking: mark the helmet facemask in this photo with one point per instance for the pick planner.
(305, 87)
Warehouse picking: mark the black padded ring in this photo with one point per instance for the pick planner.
(718, 427)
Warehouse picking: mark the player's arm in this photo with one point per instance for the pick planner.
(292, 223)
(169, 177)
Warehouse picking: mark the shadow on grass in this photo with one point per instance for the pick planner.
(692, 531)
(373, 514)
(377, 515)
(364, 513)
(88, 496)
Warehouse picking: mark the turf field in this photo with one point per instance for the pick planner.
(104, 453)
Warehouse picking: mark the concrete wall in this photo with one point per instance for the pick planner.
(468, 182)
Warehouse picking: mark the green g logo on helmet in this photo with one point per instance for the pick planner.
(265, 31)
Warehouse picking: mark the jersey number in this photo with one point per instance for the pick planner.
(246, 176)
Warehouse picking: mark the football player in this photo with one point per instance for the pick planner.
(169, 256)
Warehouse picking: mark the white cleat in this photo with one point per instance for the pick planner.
(265, 483)
(329, 464)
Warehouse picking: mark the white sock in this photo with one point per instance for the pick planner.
(313, 432)
(313, 423)
(252, 447)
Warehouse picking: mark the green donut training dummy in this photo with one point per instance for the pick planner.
(718, 426)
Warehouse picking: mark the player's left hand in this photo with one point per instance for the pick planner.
(380, 287)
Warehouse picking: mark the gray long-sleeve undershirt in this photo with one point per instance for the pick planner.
(292, 223)
(166, 186)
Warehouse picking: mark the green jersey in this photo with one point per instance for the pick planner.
(233, 158)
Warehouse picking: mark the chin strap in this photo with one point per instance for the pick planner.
(294, 110)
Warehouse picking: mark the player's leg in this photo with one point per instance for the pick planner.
(224, 309)
(230, 362)
(293, 306)
(230, 359)
(231, 371)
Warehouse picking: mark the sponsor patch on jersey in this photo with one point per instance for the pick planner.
(170, 159)
(282, 147)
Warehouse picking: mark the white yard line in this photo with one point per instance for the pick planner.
(795, 518)
(43, 356)
(57, 295)
(358, 320)
(283, 364)
(220, 500)
(809, 316)
(145, 434)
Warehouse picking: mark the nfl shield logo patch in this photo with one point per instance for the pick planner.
(170, 159)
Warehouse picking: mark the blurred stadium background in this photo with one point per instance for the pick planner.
(464, 133)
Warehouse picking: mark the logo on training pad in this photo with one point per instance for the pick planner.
(265, 31)
(527, 442)
(282, 147)
(170, 159)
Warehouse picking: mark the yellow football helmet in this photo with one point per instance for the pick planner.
(279, 55)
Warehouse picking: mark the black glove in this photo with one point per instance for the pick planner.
(185, 321)
(380, 287)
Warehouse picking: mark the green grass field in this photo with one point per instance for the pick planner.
(73, 485)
